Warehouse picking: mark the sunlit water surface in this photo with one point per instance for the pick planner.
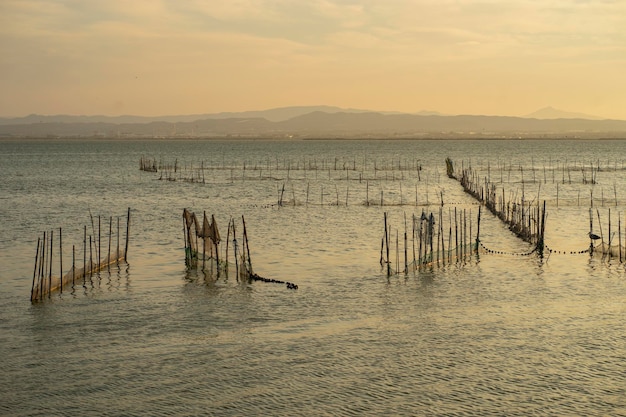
(502, 334)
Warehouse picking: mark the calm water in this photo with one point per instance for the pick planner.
(500, 335)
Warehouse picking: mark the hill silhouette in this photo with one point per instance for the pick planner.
(309, 122)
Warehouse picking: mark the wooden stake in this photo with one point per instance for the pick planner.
(610, 236)
(42, 266)
(204, 221)
(73, 265)
(397, 253)
(217, 249)
(227, 239)
(50, 264)
(90, 259)
(110, 232)
(406, 260)
(600, 226)
(127, 236)
(245, 237)
(590, 231)
(478, 230)
(32, 288)
(387, 246)
(456, 234)
(117, 252)
(99, 248)
(84, 254)
(60, 261)
(185, 233)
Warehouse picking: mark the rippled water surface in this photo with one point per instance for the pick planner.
(501, 334)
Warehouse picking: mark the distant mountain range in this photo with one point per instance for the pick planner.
(315, 122)
(552, 113)
(273, 115)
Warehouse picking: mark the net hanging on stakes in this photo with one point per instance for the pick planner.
(208, 255)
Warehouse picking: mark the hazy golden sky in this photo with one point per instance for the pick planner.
(158, 57)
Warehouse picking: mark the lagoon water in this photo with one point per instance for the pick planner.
(498, 334)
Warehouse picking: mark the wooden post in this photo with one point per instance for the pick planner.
(32, 288)
(227, 239)
(110, 232)
(590, 231)
(449, 236)
(117, 252)
(387, 246)
(50, 264)
(245, 237)
(185, 238)
(397, 252)
(217, 249)
(235, 251)
(464, 234)
(43, 266)
(471, 250)
(543, 230)
(99, 248)
(127, 236)
(73, 265)
(60, 261)
(610, 236)
(438, 235)
(429, 236)
(204, 220)
(443, 237)
(420, 258)
(307, 194)
(619, 235)
(406, 261)
(413, 238)
(600, 226)
(84, 254)
(478, 230)
(456, 234)
(90, 259)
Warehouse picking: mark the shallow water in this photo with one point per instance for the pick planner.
(498, 334)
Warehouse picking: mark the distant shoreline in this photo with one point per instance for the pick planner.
(593, 137)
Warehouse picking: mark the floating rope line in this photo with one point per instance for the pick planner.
(564, 252)
(498, 252)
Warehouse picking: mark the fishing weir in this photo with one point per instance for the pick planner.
(203, 249)
(526, 216)
(313, 182)
(526, 219)
(94, 259)
(433, 239)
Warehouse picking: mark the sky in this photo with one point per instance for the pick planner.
(171, 57)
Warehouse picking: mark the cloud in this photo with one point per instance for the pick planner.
(347, 48)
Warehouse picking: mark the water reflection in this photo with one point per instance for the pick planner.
(499, 334)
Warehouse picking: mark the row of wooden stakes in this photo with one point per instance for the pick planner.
(94, 260)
